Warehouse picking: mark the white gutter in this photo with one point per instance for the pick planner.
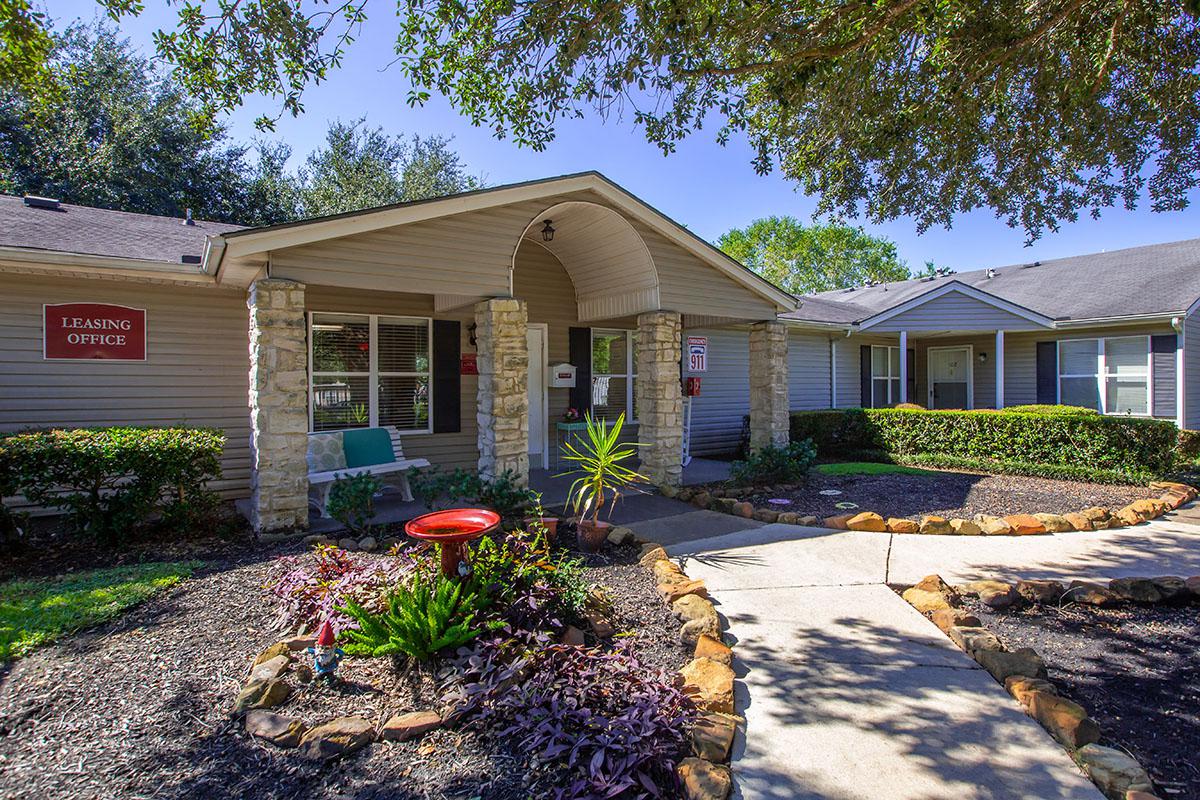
(1128, 319)
(53, 261)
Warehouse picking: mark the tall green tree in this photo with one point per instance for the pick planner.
(1039, 111)
(806, 259)
(118, 135)
(361, 167)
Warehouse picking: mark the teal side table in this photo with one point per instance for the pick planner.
(563, 431)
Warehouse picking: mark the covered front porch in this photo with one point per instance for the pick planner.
(470, 331)
(391, 507)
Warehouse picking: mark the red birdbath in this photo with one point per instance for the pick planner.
(452, 529)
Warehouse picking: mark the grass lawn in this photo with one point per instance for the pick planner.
(33, 613)
(869, 468)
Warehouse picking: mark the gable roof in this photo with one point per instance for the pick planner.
(102, 232)
(1152, 280)
(250, 242)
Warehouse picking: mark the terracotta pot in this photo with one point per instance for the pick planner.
(591, 535)
(549, 523)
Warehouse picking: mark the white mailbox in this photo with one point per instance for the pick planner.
(561, 376)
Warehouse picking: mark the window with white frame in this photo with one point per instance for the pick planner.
(1111, 375)
(369, 370)
(614, 374)
(885, 376)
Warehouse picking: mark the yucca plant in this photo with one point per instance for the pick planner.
(602, 476)
(420, 619)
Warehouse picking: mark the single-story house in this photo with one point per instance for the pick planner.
(470, 323)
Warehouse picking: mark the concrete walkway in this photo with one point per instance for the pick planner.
(850, 693)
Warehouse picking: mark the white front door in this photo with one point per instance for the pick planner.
(950, 377)
(536, 337)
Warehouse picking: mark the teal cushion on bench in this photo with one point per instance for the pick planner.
(367, 447)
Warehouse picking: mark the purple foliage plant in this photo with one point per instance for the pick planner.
(313, 587)
(593, 724)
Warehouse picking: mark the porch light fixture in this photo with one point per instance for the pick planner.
(547, 231)
(983, 358)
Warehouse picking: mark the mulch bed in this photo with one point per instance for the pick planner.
(1133, 668)
(140, 707)
(948, 494)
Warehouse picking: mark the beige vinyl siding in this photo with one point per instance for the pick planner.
(471, 254)
(1191, 366)
(1020, 355)
(955, 311)
(463, 254)
(196, 370)
(689, 286)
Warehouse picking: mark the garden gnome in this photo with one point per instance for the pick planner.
(326, 657)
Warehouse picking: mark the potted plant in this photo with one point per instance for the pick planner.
(602, 476)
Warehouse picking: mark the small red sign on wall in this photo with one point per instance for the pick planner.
(93, 331)
(468, 365)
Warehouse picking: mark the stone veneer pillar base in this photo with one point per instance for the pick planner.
(659, 398)
(503, 407)
(278, 406)
(768, 385)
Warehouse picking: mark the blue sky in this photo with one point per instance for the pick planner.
(703, 185)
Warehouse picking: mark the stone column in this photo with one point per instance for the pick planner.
(659, 399)
(278, 405)
(503, 400)
(768, 384)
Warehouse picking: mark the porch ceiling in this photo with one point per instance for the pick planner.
(608, 261)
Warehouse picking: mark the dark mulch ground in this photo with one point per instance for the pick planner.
(1134, 669)
(949, 494)
(140, 707)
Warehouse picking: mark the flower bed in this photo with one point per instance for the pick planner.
(1114, 639)
(565, 668)
(915, 503)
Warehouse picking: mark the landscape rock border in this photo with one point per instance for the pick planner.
(1023, 673)
(728, 501)
(707, 679)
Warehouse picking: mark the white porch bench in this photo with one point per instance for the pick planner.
(329, 458)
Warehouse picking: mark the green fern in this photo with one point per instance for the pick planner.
(421, 619)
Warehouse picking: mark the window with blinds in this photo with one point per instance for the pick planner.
(614, 374)
(369, 370)
(1111, 375)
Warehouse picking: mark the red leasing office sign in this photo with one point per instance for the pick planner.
(93, 331)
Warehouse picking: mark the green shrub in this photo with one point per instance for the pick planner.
(1052, 410)
(422, 618)
(773, 464)
(1127, 444)
(352, 501)
(436, 489)
(832, 431)
(1029, 439)
(1064, 472)
(110, 480)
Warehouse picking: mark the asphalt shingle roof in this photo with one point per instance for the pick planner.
(101, 232)
(1154, 279)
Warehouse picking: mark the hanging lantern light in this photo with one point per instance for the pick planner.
(547, 232)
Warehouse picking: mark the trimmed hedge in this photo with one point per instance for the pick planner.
(110, 480)
(1078, 445)
(1061, 472)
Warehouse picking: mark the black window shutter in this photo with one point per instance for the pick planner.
(912, 376)
(864, 376)
(580, 349)
(1047, 373)
(447, 386)
(1162, 355)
